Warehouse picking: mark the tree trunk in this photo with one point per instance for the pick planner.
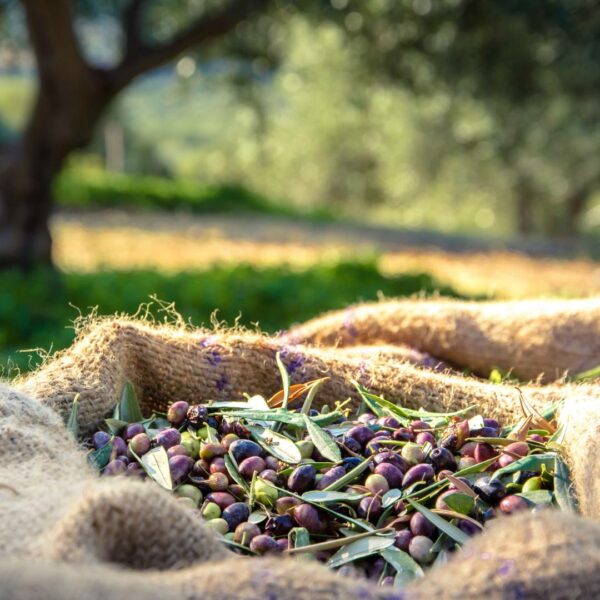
(524, 208)
(60, 123)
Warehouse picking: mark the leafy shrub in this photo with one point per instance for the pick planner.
(36, 309)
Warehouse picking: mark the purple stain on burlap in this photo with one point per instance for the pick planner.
(349, 326)
(506, 568)
(222, 382)
(514, 590)
(292, 360)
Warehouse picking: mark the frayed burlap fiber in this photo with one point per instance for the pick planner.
(65, 533)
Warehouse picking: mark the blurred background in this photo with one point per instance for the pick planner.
(272, 159)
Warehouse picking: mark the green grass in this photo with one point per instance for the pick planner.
(89, 187)
(36, 309)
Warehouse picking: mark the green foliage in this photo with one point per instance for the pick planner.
(89, 187)
(38, 308)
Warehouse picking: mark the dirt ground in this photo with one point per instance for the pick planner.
(169, 243)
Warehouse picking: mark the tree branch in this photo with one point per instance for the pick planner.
(131, 26)
(143, 58)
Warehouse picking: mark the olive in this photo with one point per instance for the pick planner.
(228, 439)
(441, 458)
(236, 513)
(369, 508)
(167, 438)
(491, 490)
(468, 527)
(535, 483)
(403, 434)
(392, 458)
(283, 544)
(402, 539)
(221, 499)
(412, 453)
(212, 450)
(419, 525)
(242, 449)
(519, 448)
(180, 467)
(422, 472)
(511, 504)
(177, 412)
(140, 444)
(377, 484)
(217, 465)
(132, 430)
(245, 533)
(219, 525)
(351, 462)
(269, 475)
(211, 511)
(119, 446)
(285, 504)
(272, 463)
(361, 434)
(331, 476)
(197, 414)
(189, 491)
(308, 517)
(367, 418)
(218, 482)
(251, 465)
(115, 467)
(265, 544)
(302, 479)
(425, 437)
(483, 452)
(100, 439)
(419, 425)
(390, 422)
(306, 448)
(351, 444)
(135, 470)
(265, 492)
(279, 524)
(420, 549)
(191, 444)
(178, 450)
(468, 449)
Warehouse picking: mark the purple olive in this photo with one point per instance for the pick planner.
(180, 467)
(235, 513)
(242, 449)
(402, 539)
(361, 434)
(351, 444)
(218, 482)
(279, 524)
(251, 465)
(419, 425)
(212, 450)
(367, 418)
(221, 499)
(132, 430)
(285, 504)
(115, 467)
(419, 525)
(283, 544)
(308, 517)
(167, 438)
(392, 474)
(177, 450)
(217, 465)
(269, 475)
(265, 544)
(197, 415)
(370, 508)
(491, 490)
(468, 527)
(442, 459)
(119, 446)
(135, 469)
(140, 444)
(511, 504)
(483, 452)
(425, 437)
(403, 434)
(177, 412)
(422, 472)
(392, 458)
(331, 476)
(302, 479)
(272, 463)
(390, 422)
(123, 458)
(468, 449)
(100, 439)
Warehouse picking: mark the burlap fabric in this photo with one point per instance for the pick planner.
(66, 534)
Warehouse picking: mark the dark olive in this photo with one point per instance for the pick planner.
(235, 513)
(302, 479)
(242, 449)
(265, 544)
(308, 517)
(177, 412)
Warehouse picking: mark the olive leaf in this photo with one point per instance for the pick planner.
(317, 465)
(461, 503)
(406, 567)
(331, 497)
(129, 408)
(235, 474)
(279, 416)
(72, 423)
(533, 462)
(115, 426)
(537, 497)
(101, 457)
(279, 446)
(324, 443)
(450, 530)
(156, 464)
(563, 487)
(312, 392)
(360, 549)
(257, 516)
(299, 537)
(391, 497)
(285, 379)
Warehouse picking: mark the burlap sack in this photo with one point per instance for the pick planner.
(111, 539)
(533, 338)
